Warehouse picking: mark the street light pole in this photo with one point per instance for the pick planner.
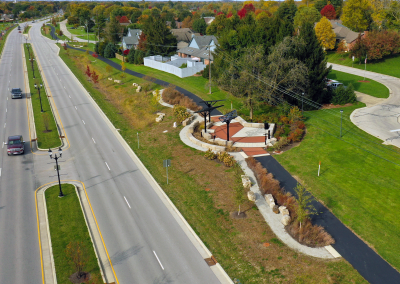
(302, 100)
(33, 70)
(40, 98)
(58, 172)
(341, 114)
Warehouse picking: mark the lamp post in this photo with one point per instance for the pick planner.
(341, 114)
(33, 70)
(302, 100)
(40, 98)
(58, 172)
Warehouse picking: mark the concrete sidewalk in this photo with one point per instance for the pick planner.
(68, 34)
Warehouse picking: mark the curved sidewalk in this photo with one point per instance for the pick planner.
(68, 34)
(378, 120)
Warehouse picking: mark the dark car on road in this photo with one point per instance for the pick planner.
(16, 93)
(15, 145)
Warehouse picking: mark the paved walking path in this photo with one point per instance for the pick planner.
(368, 263)
(67, 33)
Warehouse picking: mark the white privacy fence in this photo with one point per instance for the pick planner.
(172, 65)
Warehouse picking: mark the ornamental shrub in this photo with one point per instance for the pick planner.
(210, 155)
(343, 95)
(181, 113)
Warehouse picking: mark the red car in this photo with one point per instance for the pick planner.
(15, 145)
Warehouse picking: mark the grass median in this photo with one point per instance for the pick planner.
(26, 31)
(359, 178)
(387, 66)
(67, 226)
(203, 190)
(372, 88)
(46, 129)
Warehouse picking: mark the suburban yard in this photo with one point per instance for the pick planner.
(388, 66)
(238, 245)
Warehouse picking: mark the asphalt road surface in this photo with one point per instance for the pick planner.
(19, 248)
(145, 242)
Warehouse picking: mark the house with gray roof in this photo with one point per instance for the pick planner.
(183, 36)
(200, 48)
(131, 40)
(344, 33)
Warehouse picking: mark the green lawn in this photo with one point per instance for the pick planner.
(45, 138)
(196, 85)
(80, 31)
(359, 178)
(197, 206)
(67, 224)
(388, 66)
(91, 37)
(372, 88)
(27, 30)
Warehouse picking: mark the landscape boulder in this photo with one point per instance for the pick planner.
(275, 209)
(117, 81)
(139, 88)
(110, 79)
(246, 181)
(285, 220)
(251, 196)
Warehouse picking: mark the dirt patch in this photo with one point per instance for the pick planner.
(77, 278)
(329, 106)
(236, 215)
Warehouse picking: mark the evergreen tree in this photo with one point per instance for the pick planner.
(114, 31)
(110, 51)
(200, 26)
(131, 56)
(312, 55)
(173, 24)
(159, 38)
(139, 56)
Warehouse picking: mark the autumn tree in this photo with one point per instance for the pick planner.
(358, 49)
(325, 34)
(78, 257)
(95, 77)
(329, 12)
(382, 43)
(304, 15)
(187, 22)
(109, 69)
(123, 68)
(88, 72)
(357, 15)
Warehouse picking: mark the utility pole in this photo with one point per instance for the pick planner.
(209, 67)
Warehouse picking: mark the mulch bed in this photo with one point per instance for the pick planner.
(363, 81)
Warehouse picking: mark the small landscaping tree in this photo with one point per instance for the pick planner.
(123, 68)
(95, 77)
(109, 70)
(305, 208)
(88, 72)
(78, 257)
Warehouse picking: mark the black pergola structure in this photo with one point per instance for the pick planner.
(205, 112)
(210, 104)
(227, 119)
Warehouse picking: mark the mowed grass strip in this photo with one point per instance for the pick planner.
(359, 178)
(46, 129)
(3, 41)
(67, 225)
(236, 244)
(372, 88)
(27, 30)
(197, 85)
(387, 66)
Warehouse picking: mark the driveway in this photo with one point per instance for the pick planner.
(379, 119)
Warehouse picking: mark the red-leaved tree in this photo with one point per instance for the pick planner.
(142, 42)
(126, 52)
(124, 19)
(329, 12)
(88, 72)
(246, 8)
(95, 77)
(95, 55)
(229, 15)
(382, 43)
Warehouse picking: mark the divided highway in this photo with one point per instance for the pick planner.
(144, 240)
(19, 248)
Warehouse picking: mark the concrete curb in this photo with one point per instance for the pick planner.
(60, 129)
(196, 241)
(1, 54)
(49, 271)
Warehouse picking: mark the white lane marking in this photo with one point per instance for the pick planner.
(3, 145)
(76, 108)
(93, 141)
(158, 260)
(6, 110)
(83, 122)
(69, 96)
(64, 87)
(4, 125)
(0, 176)
(127, 202)
(107, 166)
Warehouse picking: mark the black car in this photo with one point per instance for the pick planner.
(16, 93)
(15, 145)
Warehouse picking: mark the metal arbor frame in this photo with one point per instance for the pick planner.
(205, 112)
(227, 119)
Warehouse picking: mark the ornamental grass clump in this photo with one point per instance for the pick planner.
(210, 155)
(225, 158)
(181, 113)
